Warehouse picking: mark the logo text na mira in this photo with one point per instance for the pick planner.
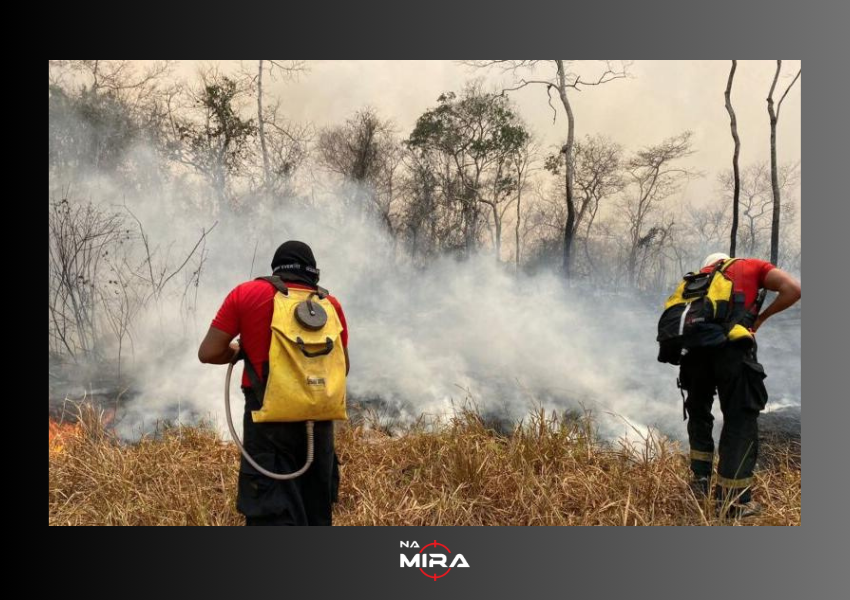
(434, 559)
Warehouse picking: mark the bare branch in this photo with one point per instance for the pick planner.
(204, 234)
(788, 89)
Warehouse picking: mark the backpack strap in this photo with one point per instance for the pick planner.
(258, 384)
(722, 266)
(741, 314)
(277, 282)
(737, 299)
(280, 286)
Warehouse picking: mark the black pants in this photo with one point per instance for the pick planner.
(282, 448)
(734, 373)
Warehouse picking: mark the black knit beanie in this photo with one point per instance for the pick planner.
(294, 261)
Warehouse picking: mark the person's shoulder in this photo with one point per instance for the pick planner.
(750, 259)
(256, 288)
(333, 300)
(254, 284)
(755, 269)
(758, 263)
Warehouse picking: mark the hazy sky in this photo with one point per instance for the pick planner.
(660, 99)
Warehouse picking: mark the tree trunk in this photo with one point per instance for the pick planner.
(262, 127)
(518, 220)
(470, 224)
(774, 177)
(774, 167)
(590, 263)
(497, 237)
(569, 228)
(733, 123)
(631, 265)
(777, 201)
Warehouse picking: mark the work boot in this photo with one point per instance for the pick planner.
(739, 510)
(745, 510)
(700, 486)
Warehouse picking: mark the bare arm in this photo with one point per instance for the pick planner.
(216, 349)
(788, 289)
(347, 362)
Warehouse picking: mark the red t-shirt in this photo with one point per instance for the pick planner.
(247, 312)
(748, 275)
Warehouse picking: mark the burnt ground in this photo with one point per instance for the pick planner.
(781, 425)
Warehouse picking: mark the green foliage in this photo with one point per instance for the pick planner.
(218, 145)
(478, 124)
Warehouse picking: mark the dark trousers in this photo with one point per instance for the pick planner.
(282, 448)
(734, 373)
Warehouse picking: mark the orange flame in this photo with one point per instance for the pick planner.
(58, 432)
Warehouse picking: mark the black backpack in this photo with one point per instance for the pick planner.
(702, 313)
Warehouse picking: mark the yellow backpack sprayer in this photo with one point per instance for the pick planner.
(306, 380)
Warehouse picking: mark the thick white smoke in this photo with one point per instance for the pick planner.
(423, 339)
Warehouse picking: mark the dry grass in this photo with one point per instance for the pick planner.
(548, 472)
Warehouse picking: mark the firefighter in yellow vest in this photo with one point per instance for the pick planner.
(728, 367)
(294, 339)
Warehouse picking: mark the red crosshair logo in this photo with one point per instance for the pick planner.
(435, 543)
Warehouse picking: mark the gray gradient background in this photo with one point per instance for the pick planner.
(687, 563)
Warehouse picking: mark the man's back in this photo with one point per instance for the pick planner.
(247, 312)
(748, 274)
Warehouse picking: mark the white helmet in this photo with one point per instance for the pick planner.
(713, 258)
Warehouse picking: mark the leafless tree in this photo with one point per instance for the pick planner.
(653, 175)
(523, 161)
(708, 223)
(122, 299)
(365, 153)
(655, 250)
(598, 174)
(733, 123)
(562, 77)
(100, 110)
(103, 272)
(80, 240)
(156, 269)
(756, 200)
(115, 76)
(774, 178)
(287, 149)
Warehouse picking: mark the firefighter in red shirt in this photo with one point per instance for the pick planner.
(734, 373)
(279, 447)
